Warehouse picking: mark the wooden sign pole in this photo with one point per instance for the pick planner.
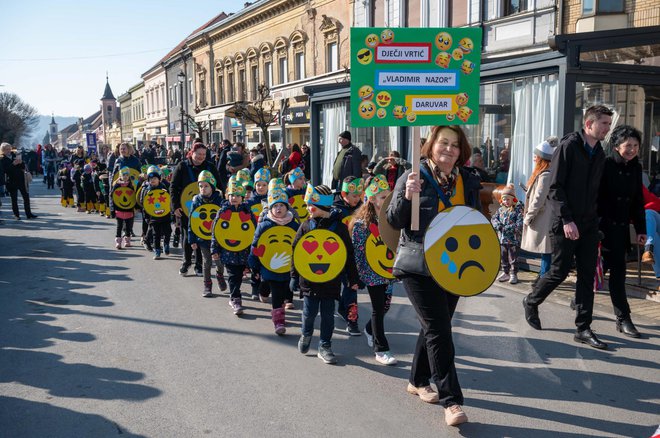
(416, 152)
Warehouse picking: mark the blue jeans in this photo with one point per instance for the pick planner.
(545, 263)
(652, 231)
(310, 309)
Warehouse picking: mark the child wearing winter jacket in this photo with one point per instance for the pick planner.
(508, 222)
(271, 251)
(200, 228)
(66, 184)
(122, 205)
(159, 224)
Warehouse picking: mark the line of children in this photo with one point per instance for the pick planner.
(508, 222)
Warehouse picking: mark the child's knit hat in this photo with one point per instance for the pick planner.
(508, 191)
(277, 195)
(295, 174)
(319, 196)
(377, 184)
(355, 186)
(207, 177)
(235, 187)
(276, 183)
(262, 174)
(235, 158)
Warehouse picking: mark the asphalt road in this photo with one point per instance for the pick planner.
(96, 342)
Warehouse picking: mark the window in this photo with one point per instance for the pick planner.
(242, 86)
(502, 8)
(268, 73)
(202, 90)
(191, 91)
(332, 57)
(284, 70)
(392, 11)
(591, 7)
(362, 13)
(514, 6)
(434, 13)
(254, 73)
(220, 92)
(300, 66)
(230, 87)
(109, 108)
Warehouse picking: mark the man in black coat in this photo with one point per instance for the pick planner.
(575, 176)
(225, 148)
(348, 161)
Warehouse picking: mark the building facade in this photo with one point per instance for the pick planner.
(155, 96)
(126, 111)
(138, 120)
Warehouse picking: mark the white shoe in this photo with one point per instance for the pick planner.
(370, 338)
(514, 278)
(386, 358)
(503, 277)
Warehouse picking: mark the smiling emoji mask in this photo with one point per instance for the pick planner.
(379, 257)
(156, 203)
(187, 196)
(234, 230)
(319, 256)
(124, 197)
(275, 249)
(462, 251)
(201, 220)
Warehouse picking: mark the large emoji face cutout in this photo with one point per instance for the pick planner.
(275, 249)
(379, 257)
(462, 251)
(298, 203)
(234, 230)
(187, 196)
(201, 220)
(157, 203)
(135, 176)
(319, 256)
(137, 195)
(124, 197)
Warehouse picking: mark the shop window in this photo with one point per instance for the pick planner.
(591, 7)
(275, 136)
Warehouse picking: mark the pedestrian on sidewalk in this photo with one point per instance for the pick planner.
(508, 222)
(14, 171)
(575, 178)
(620, 201)
(370, 252)
(200, 228)
(539, 213)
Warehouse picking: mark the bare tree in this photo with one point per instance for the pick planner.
(199, 128)
(17, 118)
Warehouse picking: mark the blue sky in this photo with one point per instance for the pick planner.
(54, 54)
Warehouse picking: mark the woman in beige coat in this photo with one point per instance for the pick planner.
(538, 209)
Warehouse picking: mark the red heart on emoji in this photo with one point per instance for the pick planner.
(310, 246)
(331, 247)
(259, 250)
(207, 224)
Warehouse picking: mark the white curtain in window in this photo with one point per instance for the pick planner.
(334, 123)
(535, 119)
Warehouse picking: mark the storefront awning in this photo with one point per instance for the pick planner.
(214, 113)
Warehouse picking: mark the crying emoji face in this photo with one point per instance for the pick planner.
(462, 251)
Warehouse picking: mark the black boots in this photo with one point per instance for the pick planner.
(625, 326)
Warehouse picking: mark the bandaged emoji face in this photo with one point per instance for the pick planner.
(371, 40)
(297, 202)
(461, 251)
(442, 59)
(319, 256)
(443, 41)
(274, 249)
(234, 230)
(187, 196)
(366, 109)
(379, 257)
(366, 92)
(201, 220)
(124, 197)
(156, 203)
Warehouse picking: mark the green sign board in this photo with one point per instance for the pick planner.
(415, 76)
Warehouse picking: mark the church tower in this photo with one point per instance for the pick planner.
(52, 129)
(108, 105)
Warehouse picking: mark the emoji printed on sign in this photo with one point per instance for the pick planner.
(381, 113)
(457, 54)
(464, 113)
(364, 56)
(371, 40)
(450, 117)
(466, 45)
(234, 230)
(187, 196)
(366, 109)
(461, 99)
(297, 202)
(461, 251)
(275, 249)
(156, 203)
(442, 59)
(201, 220)
(383, 98)
(411, 117)
(319, 256)
(379, 257)
(467, 67)
(443, 41)
(366, 92)
(124, 197)
(135, 176)
(387, 36)
(399, 111)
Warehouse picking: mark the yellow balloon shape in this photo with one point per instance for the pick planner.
(319, 256)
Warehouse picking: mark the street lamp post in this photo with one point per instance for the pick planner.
(181, 77)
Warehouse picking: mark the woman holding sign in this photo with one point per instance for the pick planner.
(441, 183)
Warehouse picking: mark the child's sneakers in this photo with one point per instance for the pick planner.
(127, 241)
(303, 344)
(221, 282)
(198, 271)
(118, 242)
(385, 358)
(326, 355)
(207, 289)
(503, 277)
(157, 254)
(370, 338)
(352, 329)
(166, 248)
(236, 305)
(514, 278)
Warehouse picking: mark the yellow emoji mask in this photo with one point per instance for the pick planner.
(462, 251)
(234, 230)
(297, 202)
(124, 197)
(201, 220)
(156, 203)
(379, 257)
(275, 249)
(187, 196)
(319, 256)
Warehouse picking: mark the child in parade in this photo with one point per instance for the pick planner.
(66, 184)
(122, 203)
(147, 236)
(270, 261)
(364, 232)
(200, 229)
(508, 222)
(260, 196)
(352, 192)
(322, 294)
(87, 180)
(100, 178)
(159, 226)
(76, 177)
(237, 222)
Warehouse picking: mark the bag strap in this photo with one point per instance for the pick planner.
(441, 194)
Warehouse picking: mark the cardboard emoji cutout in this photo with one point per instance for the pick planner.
(135, 176)
(234, 230)
(201, 220)
(275, 249)
(157, 203)
(187, 196)
(388, 233)
(379, 257)
(297, 202)
(124, 197)
(319, 256)
(462, 251)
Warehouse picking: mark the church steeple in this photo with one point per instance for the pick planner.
(52, 129)
(107, 94)
(108, 105)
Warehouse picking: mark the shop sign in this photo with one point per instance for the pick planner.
(415, 76)
(297, 115)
